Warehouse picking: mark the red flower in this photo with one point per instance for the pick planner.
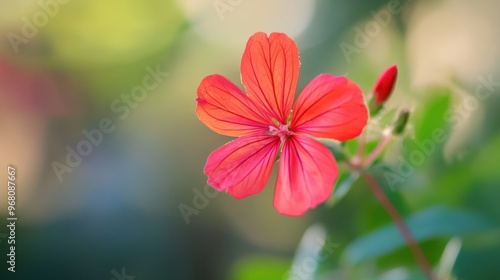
(263, 119)
(385, 84)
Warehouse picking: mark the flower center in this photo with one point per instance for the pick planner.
(281, 131)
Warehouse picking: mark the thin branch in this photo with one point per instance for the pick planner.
(376, 152)
(403, 228)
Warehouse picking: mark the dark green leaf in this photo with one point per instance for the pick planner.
(336, 149)
(429, 223)
(343, 185)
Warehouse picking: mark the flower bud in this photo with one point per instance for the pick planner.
(385, 84)
(402, 120)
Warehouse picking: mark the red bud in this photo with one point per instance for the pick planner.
(385, 85)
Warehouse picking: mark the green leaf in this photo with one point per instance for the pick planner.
(351, 147)
(486, 164)
(433, 115)
(430, 223)
(344, 182)
(251, 268)
(334, 147)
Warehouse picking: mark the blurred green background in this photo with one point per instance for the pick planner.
(116, 213)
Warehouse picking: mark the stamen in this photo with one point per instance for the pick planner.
(281, 131)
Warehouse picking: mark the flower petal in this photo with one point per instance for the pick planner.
(270, 71)
(306, 176)
(225, 109)
(243, 166)
(330, 107)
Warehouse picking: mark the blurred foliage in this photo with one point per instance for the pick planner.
(260, 268)
(120, 207)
